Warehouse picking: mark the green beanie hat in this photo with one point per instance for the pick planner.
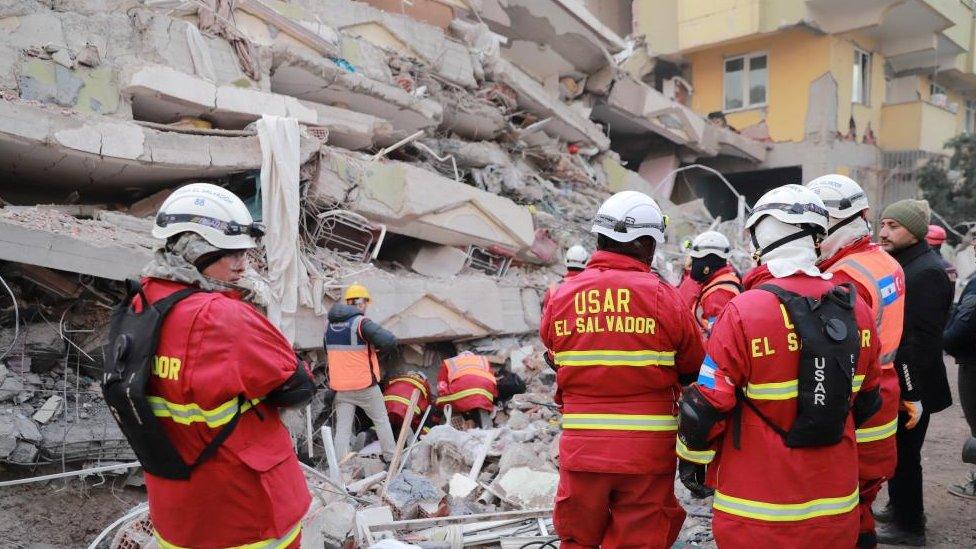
(912, 214)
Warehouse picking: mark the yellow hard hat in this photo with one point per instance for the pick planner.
(356, 291)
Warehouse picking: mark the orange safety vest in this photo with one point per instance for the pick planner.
(880, 274)
(463, 391)
(468, 365)
(727, 281)
(353, 364)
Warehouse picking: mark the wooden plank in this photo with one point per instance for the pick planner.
(401, 441)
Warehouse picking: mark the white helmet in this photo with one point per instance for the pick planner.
(793, 205)
(212, 212)
(629, 215)
(576, 257)
(711, 242)
(842, 196)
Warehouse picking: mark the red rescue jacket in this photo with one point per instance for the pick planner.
(466, 383)
(397, 398)
(620, 336)
(212, 348)
(880, 280)
(714, 294)
(764, 481)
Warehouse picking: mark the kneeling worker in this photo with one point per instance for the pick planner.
(351, 342)
(466, 383)
(785, 471)
(221, 372)
(397, 398)
(715, 281)
(621, 337)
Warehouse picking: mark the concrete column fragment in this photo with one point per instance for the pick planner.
(418, 203)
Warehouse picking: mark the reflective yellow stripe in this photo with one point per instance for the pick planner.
(185, 414)
(784, 390)
(609, 357)
(412, 381)
(465, 393)
(620, 422)
(880, 432)
(279, 543)
(698, 456)
(404, 401)
(781, 390)
(783, 512)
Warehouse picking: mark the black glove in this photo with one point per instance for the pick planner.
(296, 391)
(692, 475)
(549, 360)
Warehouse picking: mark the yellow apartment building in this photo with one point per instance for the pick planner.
(869, 88)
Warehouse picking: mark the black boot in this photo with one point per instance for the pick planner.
(885, 515)
(893, 534)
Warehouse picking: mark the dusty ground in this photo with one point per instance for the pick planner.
(61, 515)
(70, 515)
(951, 520)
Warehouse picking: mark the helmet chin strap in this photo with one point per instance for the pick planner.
(808, 230)
(845, 221)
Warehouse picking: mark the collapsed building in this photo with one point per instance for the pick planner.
(443, 154)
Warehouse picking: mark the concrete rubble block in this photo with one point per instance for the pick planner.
(407, 491)
(323, 81)
(63, 151)
(529, 488)
(8, 433)
(27, 429)
(534, 455)
(48, 410)
(566, 124)
(340, 519)
(24, 453)
(438, 261)
(369, 516)
(11, 387)
(462, 487)
(418, 203)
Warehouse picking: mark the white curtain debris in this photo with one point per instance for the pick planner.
(281, 212)
(200, 54)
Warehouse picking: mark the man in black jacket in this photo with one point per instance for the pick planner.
(960, 342)
(924, 386)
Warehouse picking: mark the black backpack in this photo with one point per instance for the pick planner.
(133, 338)
(829, 349)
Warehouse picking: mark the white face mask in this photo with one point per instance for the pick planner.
(844, 236)
(795, 256)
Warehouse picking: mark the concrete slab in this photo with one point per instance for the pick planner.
(57, 151)
(419, 309)
(566, 123)
(58, 241)
(418, 203)
(323, 81)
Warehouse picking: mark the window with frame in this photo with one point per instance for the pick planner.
(970, 122)
(861, 83)
(745, 81)
(935, 89)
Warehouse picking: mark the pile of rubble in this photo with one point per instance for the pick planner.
(444, 156)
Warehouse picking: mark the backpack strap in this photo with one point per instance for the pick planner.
(701, 294)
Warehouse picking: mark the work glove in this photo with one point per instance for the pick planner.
(914, 411)
(692, 475)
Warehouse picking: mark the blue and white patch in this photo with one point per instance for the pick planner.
(889, 290)
(706, 376)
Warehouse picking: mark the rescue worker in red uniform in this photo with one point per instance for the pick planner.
(621, 338)
(784, 460)
(848, 253)
(710, 282)
(397, 395)
(218, 361)
(576, 258)
(467, 384)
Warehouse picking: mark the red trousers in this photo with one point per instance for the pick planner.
(830, 532)
(613, 511)
(867, 538)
